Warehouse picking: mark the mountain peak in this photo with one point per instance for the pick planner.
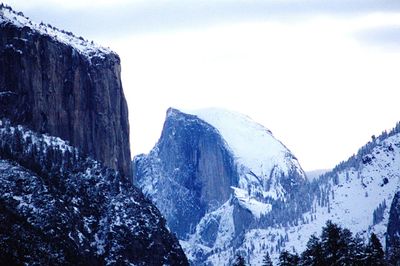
(252, 144)
(215, 174)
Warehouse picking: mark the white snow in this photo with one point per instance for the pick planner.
(261, 159)
(352, 203)
(84, 47)
(253, 145)
(225, 234)
(257, 208)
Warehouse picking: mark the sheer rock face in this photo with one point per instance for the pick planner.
(53, 87)
(192, 168)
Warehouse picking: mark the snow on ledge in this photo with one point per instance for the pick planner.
(82, 46)
(256, 207)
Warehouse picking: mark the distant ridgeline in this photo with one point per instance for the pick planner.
(364, 154)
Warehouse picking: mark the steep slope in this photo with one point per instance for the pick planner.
(355, 194)
(56, 83)
(188, 172)
(214, 175)
(60, 208)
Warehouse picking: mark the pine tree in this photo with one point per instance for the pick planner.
(267, 260)
(393, 253)
(374, 254)
(357, 250)
(330, 239)
(348, 249)
(288, 259)
(313, 255)
(239, 261)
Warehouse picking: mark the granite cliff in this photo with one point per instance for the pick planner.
(216, 174)
(190, 160)
(66, 196)
(56, 83)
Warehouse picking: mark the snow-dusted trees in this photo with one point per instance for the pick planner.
(377, 215)
(267, 260)
(313, 255)
(337, 246)
(288, 259)
(374, 254)
(239, 261)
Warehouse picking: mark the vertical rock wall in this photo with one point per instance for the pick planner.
(54, 88)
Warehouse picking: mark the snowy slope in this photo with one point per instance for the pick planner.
(253, 145)
(352, 196)
(84, 47)
(261, 158)
(58, 207)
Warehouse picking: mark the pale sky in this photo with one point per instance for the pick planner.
(323, 76)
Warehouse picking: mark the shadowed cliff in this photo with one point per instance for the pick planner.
(56, 83)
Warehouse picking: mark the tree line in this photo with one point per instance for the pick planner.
(335, 246)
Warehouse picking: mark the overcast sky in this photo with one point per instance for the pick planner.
(323, 76)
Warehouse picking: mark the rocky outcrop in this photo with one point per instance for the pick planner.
(194, 163)
(56, 83)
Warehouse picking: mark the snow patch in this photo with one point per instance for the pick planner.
(257, 208)
(84, 47)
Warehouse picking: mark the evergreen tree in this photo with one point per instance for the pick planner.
(348, 249)
(313, 255)
(330, 239)
(374, 254)
(288, 259)
(357, 251)
(239, 261)
(267, 260)
(394, 253)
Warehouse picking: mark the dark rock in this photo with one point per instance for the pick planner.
(54, 88)
(195, 165)
(393, 232)
(59, 208)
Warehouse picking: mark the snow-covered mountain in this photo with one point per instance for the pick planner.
(239, 190)
(356, 194)
(216, 174)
